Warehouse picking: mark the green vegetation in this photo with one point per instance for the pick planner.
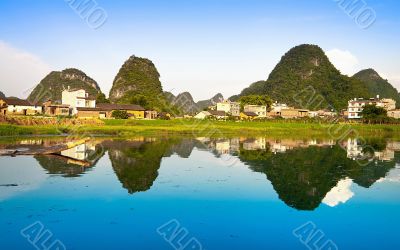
(138, 77)
(120, 114)
(53, 84)
(255, 100)
(13, 130)
(377, 85)
(2, 95)
(306, 78)
(301, 128)
(373, 114)
(101, 98)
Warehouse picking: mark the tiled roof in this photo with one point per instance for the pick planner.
(217, 113)
(250, 113)
(18, 102)
(107, 106)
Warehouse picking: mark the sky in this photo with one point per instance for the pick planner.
(201, 46)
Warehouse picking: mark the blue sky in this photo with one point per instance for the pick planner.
(201, 46)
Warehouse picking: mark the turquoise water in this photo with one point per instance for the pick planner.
(242, 193)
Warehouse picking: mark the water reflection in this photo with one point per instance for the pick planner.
(304, 173)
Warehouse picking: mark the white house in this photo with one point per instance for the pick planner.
(356, 106)
(232, 108)
(260, 110)
(202, 115)
(15, 106)
(77, 98)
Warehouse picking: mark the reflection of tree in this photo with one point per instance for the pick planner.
(137, 164)
(302, 177)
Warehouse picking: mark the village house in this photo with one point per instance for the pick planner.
(53, 109)
(356, 106)
(231, 108)
(105, 110)
(15, 106)
(294, 113)
(394, 114)
(321, 114)
(150, 114)
(202, 115)
(219, 115)
(77, 98)
(260, 110)
(278, 107)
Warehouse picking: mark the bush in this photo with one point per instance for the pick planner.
(119, 114)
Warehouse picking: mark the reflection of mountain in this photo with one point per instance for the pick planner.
(73, 162)
(136, 163)
(303, 177)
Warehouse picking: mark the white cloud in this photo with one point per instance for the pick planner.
(20, 71)
(344, 61)
(339, 194)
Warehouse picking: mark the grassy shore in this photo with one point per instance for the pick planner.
(205, 128)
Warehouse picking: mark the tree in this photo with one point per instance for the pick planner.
(255, 100)
(120, 114)
(374, 114)
(101, 98)
(140, 100)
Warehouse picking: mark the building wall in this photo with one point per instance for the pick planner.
(224, 106)
(20, 110)
(75, 99)
(394, 114)
(88, 114)
(292, 113)
(137, 114)
(56, 111)
(261, 111)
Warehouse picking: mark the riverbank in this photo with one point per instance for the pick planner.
(204, 128)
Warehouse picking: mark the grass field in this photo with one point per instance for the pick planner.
(205, 128)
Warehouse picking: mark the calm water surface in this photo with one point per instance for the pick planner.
(181, 193)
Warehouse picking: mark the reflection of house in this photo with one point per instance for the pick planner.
(77, 98)
(15, 106)
(356, 106)
(255, 144)
(232, 108)
(80, 154)
(52, 109)
(354, 150)
(223, 147)
(260, 110)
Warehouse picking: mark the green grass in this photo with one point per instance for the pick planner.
(206, 128)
